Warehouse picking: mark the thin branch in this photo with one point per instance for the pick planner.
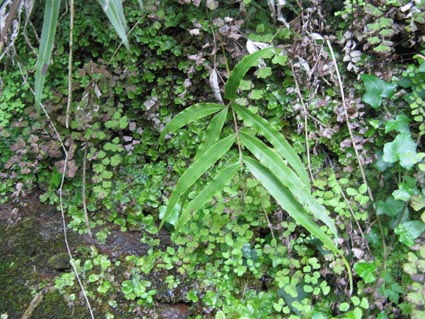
(354, 217)
(305, 122)
(64, 226)
(60, 191)
(344, 105)
(83, 191)
(269, 224)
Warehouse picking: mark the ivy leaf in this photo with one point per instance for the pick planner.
(380, 164)
(376, 89)
(409, 231)
(417, 202)
(391, 208)
(400, 124)
(402, 149)
(366, 271)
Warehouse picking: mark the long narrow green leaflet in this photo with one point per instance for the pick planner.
(51, 13)
(199, 167)
(287, 177)
(115, 13)
(276, 139)
(240, 70)
(191, 114)
(213, 187)
(285, 199)
(213, 131)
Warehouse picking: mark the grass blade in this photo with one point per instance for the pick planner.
(273, 162)
(191, 114)
(115, 13)
(285, 199)
(212, 188)
(51, 13)
(213, 131)
(277, 140)
(240, 70)
(199, 167)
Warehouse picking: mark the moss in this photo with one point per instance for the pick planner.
(54, 306)
(25, 270)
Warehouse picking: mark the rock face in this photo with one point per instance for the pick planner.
(33, 253)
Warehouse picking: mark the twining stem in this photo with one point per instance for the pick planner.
(356, 152)
(305, 122)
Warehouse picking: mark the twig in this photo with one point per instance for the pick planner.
(357, 222)
(33, 304)
(269, 223)
(349, 206)
(71, 33)
(83, 191)
(64, 226)
(13, 9)
(305, 121)
(357, 153)
(60, 191)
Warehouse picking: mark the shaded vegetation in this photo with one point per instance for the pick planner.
(342, 82)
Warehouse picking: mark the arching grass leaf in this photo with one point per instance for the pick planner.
(287, 177)
(277, 140)
(240, 70)
(212, 188)
(115, 13)
(51, 13)
(199, 167)
(213, 131)
(191, 114)
(287, 201)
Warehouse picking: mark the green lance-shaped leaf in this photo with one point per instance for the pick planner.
(287, 201)
(213, 187)
(199, 167)
(189, 115)
(51, 13)
(240, 70)
(287, 177)
(212, 134)
(115, 13)
(279, 142)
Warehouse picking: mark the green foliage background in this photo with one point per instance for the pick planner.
(240, 250)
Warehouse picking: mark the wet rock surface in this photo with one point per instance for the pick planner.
(33, 253)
